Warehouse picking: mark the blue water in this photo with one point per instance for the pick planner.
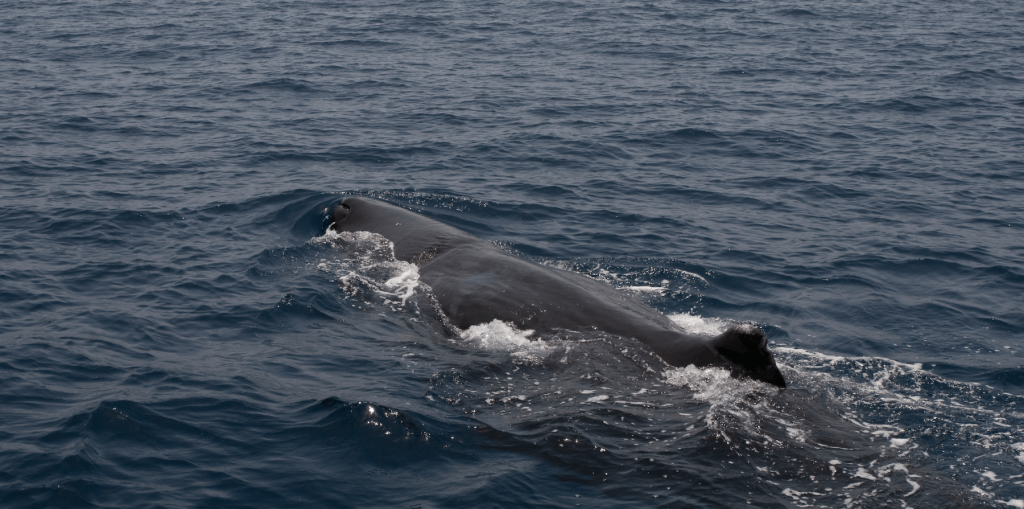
(176, 329)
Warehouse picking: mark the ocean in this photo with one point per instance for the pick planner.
(178, 328)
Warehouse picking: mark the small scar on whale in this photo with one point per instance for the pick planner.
(475, 282)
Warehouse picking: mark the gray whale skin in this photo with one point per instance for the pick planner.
(475, 282)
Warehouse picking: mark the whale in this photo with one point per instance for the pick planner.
(475, 282)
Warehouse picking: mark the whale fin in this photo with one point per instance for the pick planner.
(746, 350)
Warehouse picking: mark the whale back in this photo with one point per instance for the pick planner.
(475, 282)
(413, 235)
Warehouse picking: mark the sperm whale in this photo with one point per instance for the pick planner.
(475, 282)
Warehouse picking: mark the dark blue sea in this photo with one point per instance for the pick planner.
(179, 329)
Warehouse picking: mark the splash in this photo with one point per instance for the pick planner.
(505, 337)
(370, 270)
(696, 324)
(728, 398)
(660, 290)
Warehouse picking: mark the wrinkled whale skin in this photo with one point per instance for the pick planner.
(475, 282)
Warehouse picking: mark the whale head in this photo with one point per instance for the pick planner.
(338, 215)
(412, 234)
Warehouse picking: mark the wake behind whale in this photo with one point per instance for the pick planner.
(475, 282)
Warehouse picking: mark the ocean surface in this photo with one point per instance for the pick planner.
(178, 329)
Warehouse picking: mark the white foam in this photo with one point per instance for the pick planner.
(796, 495)
(696, 324)
(405, 283)
(372, 266)
(695, 276)
(914, 487)
(797, 434)
(975, 489)
(707, 383)
(917, 366)
(505, 337)
(498, 335)
(651, 289)
(726, 396)
(893, 467)
(1020, 455)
